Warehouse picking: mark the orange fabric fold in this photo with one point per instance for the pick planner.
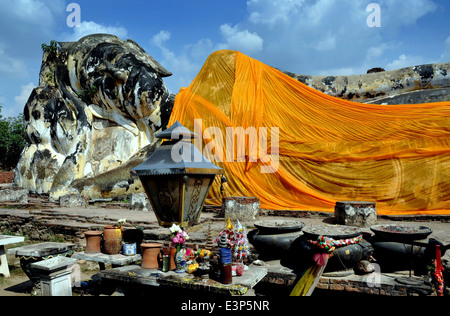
(326, 149)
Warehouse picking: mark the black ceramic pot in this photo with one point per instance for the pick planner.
(273, 239)
(301, 253)
(400, 256)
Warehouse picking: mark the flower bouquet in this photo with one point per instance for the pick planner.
(179, 237)
(178, 241)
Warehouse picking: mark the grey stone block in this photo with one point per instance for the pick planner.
(140, 202)
(18, 195)
(73, 201)
(356, 213)
(241, 208)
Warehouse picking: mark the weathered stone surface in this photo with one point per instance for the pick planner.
(416, 97)
(99, 102)
(55, 275)
(240, 208)
(364, 267)
(356, 213)
(19, 195)
(73, 201)
(382, 85)
(140, 202)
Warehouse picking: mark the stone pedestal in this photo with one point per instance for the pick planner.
(240, 208)
(37, 252)
(10, 194)
(55, 276)
(140, 202)
(356, 213)
(73, 201)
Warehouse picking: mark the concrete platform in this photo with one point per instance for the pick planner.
(130, 276)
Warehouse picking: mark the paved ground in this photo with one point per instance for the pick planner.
(92, 216)
(103, 215)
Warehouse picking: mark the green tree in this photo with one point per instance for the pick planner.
(12, 140)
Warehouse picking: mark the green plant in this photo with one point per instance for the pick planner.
(12, 140)
(50, 76)
(87, 94)
(51, 49)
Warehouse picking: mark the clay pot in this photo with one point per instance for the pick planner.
(112, 240)
(172, 254)
(93, 241)
(151, 255)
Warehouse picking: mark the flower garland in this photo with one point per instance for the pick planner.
(438, 273)
(329, 244)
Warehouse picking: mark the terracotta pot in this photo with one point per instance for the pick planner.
(112, 240)
(172, 254)
(93, 241)
(151, 255)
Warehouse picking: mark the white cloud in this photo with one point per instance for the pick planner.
(243, 41)
(161, 38)
(445, 57)
(327, 43)
(374, 52)
(90, 27)
(401, 13)
(343, 71)
(320, 37)
(184, 64)
(273, 12)
(25, 24)
(404, 61)
(24, 95)
(10, 66)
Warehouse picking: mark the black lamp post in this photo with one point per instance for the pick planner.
(177, 178)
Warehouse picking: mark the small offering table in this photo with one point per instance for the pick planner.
(38, 252)
(7, 240)
(129, 276)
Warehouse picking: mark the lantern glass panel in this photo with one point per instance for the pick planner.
(164, 195)
(196, 190)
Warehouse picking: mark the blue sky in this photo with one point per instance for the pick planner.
(310, 37)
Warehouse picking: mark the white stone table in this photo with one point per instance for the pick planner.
(118, 260)
(7, 240)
